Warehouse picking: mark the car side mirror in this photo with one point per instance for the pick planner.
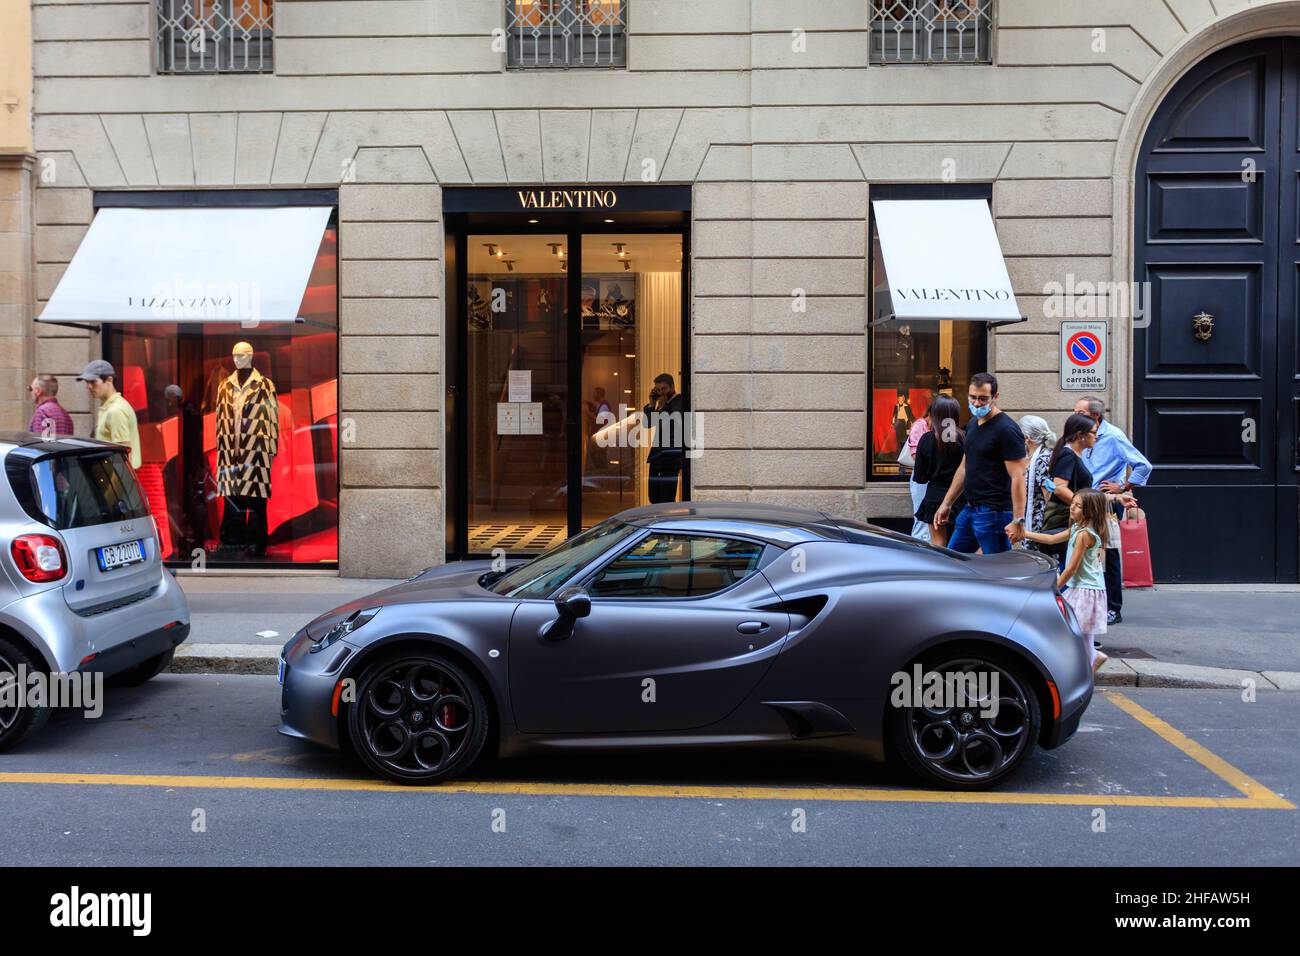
(570, 604)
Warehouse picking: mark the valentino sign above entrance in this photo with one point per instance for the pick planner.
(567, 198)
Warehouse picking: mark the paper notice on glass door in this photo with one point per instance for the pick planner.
(530, 421)
(507, 418)
(520, 385)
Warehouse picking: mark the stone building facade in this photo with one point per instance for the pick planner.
(17, 183)
(770, 110)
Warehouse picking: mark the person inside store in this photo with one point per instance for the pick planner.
(115, 420)
(938, 456)
(1117, 468)
(665, 413)
(992, 475)
(49, 418)
(598, 416)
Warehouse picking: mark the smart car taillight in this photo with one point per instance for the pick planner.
(39, 557)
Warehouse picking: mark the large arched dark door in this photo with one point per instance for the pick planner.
(1218, 235)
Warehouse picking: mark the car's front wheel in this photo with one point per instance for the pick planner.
(417, 718)
(17, 718)
(977, 726)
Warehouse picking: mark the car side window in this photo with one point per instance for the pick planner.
(677, 565)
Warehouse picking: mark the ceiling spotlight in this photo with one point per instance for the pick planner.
(510, 265)
(491, 248)
(555, 248)
(533, 222)
(620, 246)
(609, 221)
(627, 265)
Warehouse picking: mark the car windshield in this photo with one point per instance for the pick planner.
(542, 575)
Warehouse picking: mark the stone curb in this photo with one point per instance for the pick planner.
(226, 659)
(1140, 672)
(1117, 672)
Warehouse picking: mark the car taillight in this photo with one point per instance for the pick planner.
(1063, 608)
(39, 557)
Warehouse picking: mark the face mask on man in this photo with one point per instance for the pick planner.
(979, 411)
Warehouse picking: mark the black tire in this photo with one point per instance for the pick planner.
(958, 748)
(418, 717)
(142, 672)
(16, 724)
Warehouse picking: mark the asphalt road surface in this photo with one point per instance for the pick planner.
(189, 769)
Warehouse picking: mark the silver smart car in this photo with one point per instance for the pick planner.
(82, 585)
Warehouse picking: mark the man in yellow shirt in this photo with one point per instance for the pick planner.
(116, 421)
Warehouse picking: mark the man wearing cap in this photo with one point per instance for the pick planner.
(116, 421)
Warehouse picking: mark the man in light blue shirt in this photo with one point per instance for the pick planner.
(1116, 466)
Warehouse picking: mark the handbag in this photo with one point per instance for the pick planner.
(1135, 550)
(905, 457)
(1056, 515)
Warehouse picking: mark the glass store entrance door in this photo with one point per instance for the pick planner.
(518, 391)
(565, 338)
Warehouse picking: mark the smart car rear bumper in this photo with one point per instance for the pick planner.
(110, 641)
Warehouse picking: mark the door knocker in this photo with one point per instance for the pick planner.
(1203, 326)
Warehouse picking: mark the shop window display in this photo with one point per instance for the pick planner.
(911, 363)
(239, 430)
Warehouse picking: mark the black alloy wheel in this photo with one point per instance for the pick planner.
(417, 718)
(971, 741)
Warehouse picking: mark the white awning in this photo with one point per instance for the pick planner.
(942, 260)
(247, 265)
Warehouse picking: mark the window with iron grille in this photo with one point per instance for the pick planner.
(931, 31)
(566, 33)
(214, 36)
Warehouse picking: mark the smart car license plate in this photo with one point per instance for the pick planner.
(120, 555)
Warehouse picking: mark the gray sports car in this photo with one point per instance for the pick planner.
(701, 625)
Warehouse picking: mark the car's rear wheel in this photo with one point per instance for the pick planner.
(417, 718)
(144, 671)
(17, 720)
(982, 731)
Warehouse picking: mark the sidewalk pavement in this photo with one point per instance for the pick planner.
(1171, 636)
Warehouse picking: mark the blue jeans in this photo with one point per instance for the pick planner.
(979, 526)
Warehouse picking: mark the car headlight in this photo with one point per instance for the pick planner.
(344, 628)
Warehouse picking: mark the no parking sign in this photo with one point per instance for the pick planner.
(1083, 356)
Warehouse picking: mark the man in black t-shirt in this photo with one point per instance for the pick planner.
(992, 474)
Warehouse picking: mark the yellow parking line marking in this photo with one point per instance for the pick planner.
(849, 794)
(1256, 795)
(1255, 791)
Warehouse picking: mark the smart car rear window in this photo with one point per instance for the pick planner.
(76, 491)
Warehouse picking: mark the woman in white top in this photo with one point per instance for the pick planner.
(907, 458)
(1039, 442)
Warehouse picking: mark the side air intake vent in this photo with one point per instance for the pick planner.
(801, 610)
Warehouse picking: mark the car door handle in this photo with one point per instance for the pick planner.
(752, 627)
